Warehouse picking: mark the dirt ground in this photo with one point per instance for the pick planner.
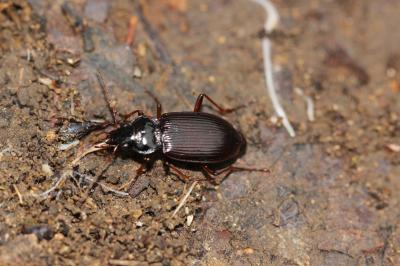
(331, 197)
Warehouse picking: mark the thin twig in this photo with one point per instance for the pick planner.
(130, 38)
(184, 199)
(309, 103)
(19, 194)
(107, 188)
(62, 178)
(269, 26)
(67, 146)
(97, 147)
(28, 55)
(124, 262)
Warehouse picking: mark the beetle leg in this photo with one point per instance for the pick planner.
(128, 115)
(112, 110)
(142, 169)
(212, 175)
(221, 109)
(159, 107)
(110, 160)
(179, 173)
(229, 170)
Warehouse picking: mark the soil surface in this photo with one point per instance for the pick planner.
(331, 197)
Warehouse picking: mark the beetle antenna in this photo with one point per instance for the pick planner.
(106, 97)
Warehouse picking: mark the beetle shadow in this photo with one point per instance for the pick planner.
(140, 159)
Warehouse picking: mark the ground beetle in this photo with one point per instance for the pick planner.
(198, 139)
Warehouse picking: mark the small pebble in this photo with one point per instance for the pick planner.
(274, 120)
(137, 213)
(189, 220)
(393, 147)
(47, 169)
(139, 224)
(46, 81)
(51, 135)
(248, 251)
(137, 73)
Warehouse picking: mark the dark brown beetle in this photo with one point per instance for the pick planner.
(195, 138)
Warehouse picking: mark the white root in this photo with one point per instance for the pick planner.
(270, 24)
(107, 188)
(185, 198)
(68, 146)
(309, 102)
(62, 178)
(18, 194)
(272, 15)
(97, 147)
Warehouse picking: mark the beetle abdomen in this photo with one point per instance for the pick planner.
(199, 138)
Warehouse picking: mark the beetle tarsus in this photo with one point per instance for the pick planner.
(214, 174)
(221, 110)
(183, 177)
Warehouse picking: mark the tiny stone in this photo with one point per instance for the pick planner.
(248, 251)
(139, 224)
(393, 147)
(46, 81)
(58, 236)
(221, 40)
(47, 169)
(137, 73)
(189, 220)
(391, 72)
(274, 120)
(137, 213)
(64, 249)
(51, 135)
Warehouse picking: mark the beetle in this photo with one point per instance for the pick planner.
(192, 138)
